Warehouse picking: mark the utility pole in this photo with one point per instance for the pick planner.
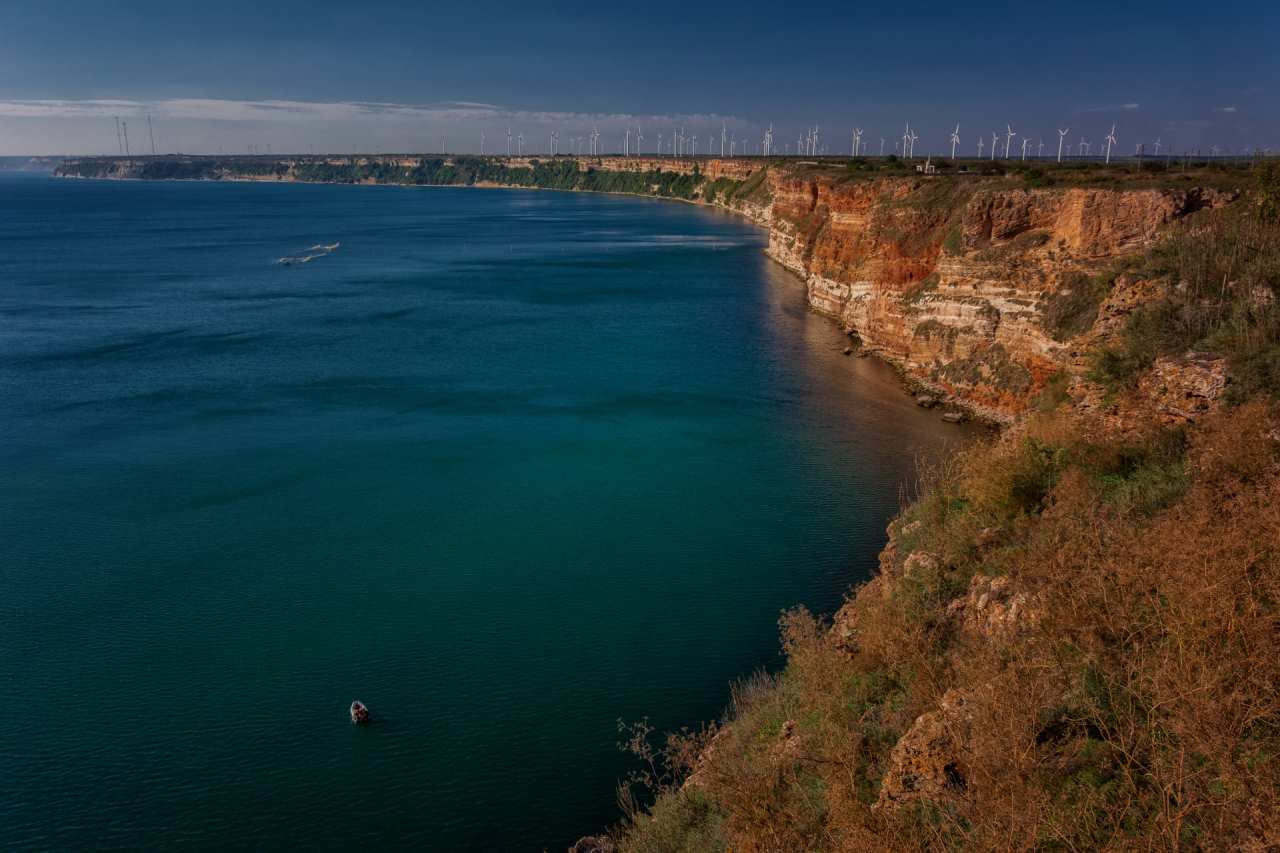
(152, 134)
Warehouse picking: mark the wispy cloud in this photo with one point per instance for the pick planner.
(248, 111)
(1225, 110)
(1112, 108)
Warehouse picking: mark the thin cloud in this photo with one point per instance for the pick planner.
(202, 109)
(1227, 110)
(1110, 109)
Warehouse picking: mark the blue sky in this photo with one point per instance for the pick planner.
(396, 75)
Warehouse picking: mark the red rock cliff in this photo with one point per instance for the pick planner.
(951, 278)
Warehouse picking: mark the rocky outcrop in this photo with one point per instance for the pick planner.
(928, 762)
(1187, 388)
(994, 608)
(952, 280)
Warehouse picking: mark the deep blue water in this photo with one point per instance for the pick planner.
(506, 466)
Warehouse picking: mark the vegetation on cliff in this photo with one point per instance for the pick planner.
(1074, 639)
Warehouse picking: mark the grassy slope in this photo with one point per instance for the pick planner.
(1129, 699)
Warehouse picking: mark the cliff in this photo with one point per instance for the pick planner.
(959, 281)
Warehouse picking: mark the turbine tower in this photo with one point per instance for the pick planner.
(1007, 140)
(508, 141)
(955, 140)
(980, 146)
(482, 143)
(1061, 134)
(1111, 140)
(995, 137)
(639, 139)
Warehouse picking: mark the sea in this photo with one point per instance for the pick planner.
(508, 466)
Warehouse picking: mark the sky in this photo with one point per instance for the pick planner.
(390, 76)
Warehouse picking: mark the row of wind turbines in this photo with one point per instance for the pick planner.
(677, 143)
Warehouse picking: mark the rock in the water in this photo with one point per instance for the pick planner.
(925, 400)
(848, 350)
(953, 417)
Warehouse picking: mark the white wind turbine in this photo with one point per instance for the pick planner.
(626, 144)
(955, 140)
(723, 131)
(694, 140)
(1008, 153)
(994, 138)
(639, 139)
(1111, 140)
(1157, 147)
(508, 141)
(1025, 141)
(980, 144)
(906, 134)
(912, 139)
(659, 144)
(520, 143)
(482, 143)
(1061, 133)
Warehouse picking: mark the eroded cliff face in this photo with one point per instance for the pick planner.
(953, 279)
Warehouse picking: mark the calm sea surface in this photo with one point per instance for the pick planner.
(506, 466)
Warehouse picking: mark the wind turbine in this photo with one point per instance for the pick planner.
(1025, 140)
(994, 138)
(1007, 141)
(955, 140)
(723, 130)
(1157, 147)
(1111, 139)
(1061, 133)
(508, 141)
(639, 139)
(694, 140)
(520, 143)
(152, 134)
(906, 134)
(482, 143)
(913, 138)
(980, 144)
(119, 141)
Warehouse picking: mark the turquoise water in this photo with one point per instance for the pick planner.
(506, 466)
